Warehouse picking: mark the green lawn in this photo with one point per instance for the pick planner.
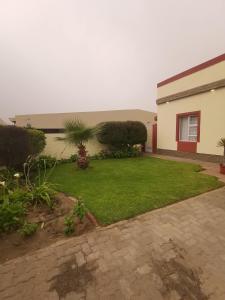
(114, 189)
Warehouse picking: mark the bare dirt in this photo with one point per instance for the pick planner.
(50, 229)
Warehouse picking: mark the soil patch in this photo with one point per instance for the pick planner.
(50, 229)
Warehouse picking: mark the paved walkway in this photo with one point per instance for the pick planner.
(177, 252)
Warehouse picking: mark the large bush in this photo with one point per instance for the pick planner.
(37, 141)
(14, 146)
(121, 135)
(17, 143)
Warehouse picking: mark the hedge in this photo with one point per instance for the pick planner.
(14, 146)
(37, 141)
(17, 143)
(122, 134)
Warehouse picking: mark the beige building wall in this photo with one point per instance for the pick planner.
(212, 125)
(62, 150)
(211, 104)
(205, 76)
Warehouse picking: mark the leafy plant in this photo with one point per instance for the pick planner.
(20, 195)
(43, 162)
(10, 186)
(15, 194)
(77, 134)
(71, 159)
(221, 143)
(11, 215)
(42, 193)
(37, 141)
(28, 229)
(69, 225)
(7, 176)
(80, 209)
(123, 153)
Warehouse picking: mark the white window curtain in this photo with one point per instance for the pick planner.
(188, 127)
(184, 129)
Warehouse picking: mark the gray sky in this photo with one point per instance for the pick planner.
(82, 55)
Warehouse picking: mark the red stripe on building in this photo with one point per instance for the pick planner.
(197, 68)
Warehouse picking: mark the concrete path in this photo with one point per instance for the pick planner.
(177, 252)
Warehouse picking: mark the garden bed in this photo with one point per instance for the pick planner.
(50, 229)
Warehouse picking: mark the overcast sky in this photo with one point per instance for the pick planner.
(82, 55)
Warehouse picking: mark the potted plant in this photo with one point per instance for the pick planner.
(221, 143)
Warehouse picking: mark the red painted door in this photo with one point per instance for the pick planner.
(154, 138)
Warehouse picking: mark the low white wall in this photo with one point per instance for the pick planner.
(61, 149)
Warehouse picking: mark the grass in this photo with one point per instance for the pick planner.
(114, 190)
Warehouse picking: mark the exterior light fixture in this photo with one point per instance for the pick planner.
(212, 90)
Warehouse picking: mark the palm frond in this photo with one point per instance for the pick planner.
(221, 143)
(76, 132)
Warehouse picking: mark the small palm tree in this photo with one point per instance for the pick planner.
(77, 133)
(221, 143)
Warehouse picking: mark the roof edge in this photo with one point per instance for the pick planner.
(192, 70)
(81, 112)
(192, 92)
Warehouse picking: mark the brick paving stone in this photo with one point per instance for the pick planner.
(80, 259)
(149, 257)
(145, 269)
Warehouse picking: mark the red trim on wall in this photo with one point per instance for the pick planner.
(198, 114)
(154, 138)
(177, 127)
(197, 68)
(187, 146)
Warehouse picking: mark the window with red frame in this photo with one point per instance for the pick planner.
(188, 127)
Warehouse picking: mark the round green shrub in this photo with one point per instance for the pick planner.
(119, 135)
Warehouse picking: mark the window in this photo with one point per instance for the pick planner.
(188, 126)
(188, 131)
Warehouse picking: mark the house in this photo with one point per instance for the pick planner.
(191, 111)
(53, 124)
